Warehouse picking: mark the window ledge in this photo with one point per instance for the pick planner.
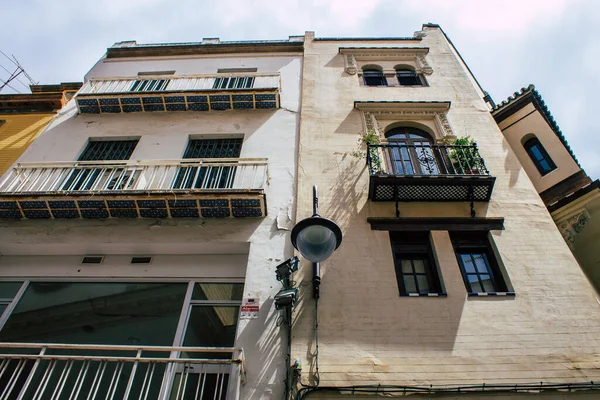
(493, 294)
(423, 294)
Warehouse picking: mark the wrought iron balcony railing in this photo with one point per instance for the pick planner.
(130, 189)
(426, 172)
(179, 93)
(64, 371)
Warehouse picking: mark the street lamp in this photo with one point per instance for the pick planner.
(316, 238)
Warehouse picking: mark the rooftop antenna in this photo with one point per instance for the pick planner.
(15, 74)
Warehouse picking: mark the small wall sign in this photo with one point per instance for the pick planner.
(250, 307)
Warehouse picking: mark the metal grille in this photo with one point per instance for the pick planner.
(213, 148)
(215, 177)
(84, 179)
(116, 372)
(238, 82)
(149, 85)
(108, 150)
(432, 192)
(422, 158)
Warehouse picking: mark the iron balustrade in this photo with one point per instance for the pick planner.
(130, 176)
(425, 160)
(93, 372)
(175, 83)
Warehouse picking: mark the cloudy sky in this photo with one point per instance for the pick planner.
(508, 44)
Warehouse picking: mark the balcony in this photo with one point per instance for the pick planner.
(187, 188)
(61, 371)
(402, 172)
(179, 93)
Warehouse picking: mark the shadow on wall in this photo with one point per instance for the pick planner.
(267, 356)
(338, 62)
(510, 160)
(362, 318)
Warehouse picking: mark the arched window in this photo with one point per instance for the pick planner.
(411, 152)
(408, 77)
(539, 156)
(373, 76)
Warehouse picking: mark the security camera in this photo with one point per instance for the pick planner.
(286, 298)
(284, 270)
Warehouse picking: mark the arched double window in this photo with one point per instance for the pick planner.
(373, 76)
(540, 157)
(411, 152)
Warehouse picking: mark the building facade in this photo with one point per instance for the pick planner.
(157, 200)
(452, 273)
(141, 232)
(570, 195)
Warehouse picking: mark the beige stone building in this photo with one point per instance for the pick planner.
(570, 195)
(452, 279)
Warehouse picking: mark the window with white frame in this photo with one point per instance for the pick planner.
(120, 313)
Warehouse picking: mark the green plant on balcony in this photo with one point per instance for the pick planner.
(465, 157)
(372, 154)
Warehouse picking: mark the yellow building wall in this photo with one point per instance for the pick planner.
(17, 133)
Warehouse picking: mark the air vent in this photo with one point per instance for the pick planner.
(92, 260)
(141, 260)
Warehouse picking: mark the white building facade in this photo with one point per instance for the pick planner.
(155, 203)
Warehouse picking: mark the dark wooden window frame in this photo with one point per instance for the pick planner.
(405, 75)
(370, 75)
(413, 247)
(529, 146)
(476, 243)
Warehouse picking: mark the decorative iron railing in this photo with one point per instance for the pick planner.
(184, 83)
(425, 160)
(94, 372)
(214, 175)
(179, 93)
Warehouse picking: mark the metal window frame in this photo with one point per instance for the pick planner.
(535, 142)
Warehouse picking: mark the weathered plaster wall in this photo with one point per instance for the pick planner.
(370, 335)
(215, 248)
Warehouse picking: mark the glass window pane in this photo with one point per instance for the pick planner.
(467, 262)
(545, 165)
(423, 284)
(8, 290)
(212, 326)
(218, 291)
(2, 308)
(481, 263)
(409, 284)
(474, 284)
(419, 266)
(486, 281)
(407, 267)
(537, 153)
(96, 313)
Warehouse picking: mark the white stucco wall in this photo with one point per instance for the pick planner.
(214, 248)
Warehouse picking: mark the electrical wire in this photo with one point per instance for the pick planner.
(316, 374)
(498, 388)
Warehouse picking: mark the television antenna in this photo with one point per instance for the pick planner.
(14, 75)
